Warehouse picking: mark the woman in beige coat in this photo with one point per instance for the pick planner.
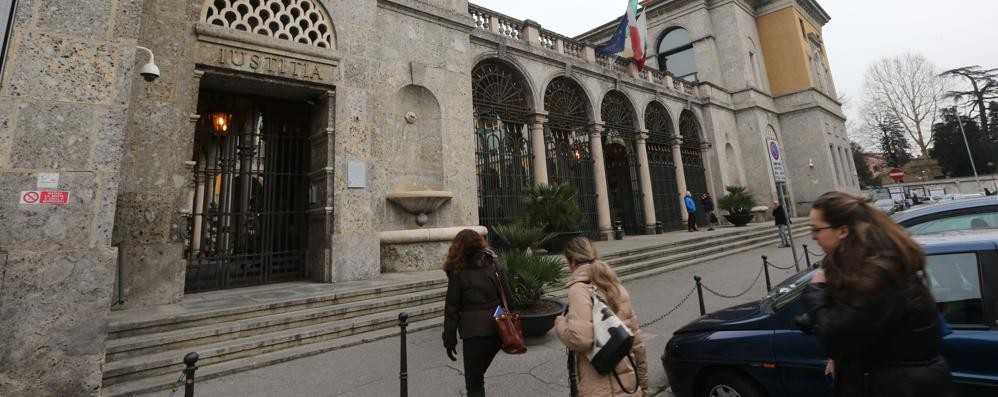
(575, 328)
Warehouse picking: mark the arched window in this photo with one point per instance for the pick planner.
(675, 54)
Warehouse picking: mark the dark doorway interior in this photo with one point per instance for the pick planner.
(622, 185)
(249, 224)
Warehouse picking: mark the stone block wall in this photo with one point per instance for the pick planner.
(64, 102)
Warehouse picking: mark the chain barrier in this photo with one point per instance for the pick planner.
(739, 295)
(773, 265)
(819, 255)
(180, 381)
(687, 297)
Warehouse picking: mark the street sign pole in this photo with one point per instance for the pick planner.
(780, 177)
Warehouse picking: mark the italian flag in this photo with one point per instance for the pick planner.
(630, 38)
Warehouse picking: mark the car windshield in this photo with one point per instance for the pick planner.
(785, 292)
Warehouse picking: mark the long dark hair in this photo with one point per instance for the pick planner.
(467, 244)
(875, 256)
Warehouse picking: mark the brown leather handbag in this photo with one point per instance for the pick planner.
(508, 323)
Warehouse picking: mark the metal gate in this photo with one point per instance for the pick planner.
(693, 169)
(665, 190)
(502, 146)
(621, 162)
(566, 139)
(249, 223)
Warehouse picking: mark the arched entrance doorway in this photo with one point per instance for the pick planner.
(693, 169)
(502, 146)
(665, 191)
(566, 139)
(621, 162)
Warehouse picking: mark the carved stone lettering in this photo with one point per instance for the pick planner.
(268, 64)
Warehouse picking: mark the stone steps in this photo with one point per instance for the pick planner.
(144, 356)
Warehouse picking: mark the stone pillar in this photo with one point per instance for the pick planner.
(644, 172)
(599, 176)
(532, 32)
(589, 53)
(704, 148)
(57, 264)
(538, 155)
(677, 158)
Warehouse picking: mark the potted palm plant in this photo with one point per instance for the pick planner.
(738, 202)
(554, 209)
(529, 276)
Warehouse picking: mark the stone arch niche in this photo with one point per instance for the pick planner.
(411, 146)
(503, 157)
(299, 21)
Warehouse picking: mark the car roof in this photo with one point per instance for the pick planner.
(959, 241)
(929, 209)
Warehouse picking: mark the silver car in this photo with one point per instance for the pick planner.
(887, 205)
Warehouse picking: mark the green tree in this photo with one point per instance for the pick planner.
(866, 179)
(892, 140)
(951, 151)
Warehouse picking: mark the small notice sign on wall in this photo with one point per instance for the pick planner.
(35, 197)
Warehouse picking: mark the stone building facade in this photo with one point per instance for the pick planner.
(333, 140)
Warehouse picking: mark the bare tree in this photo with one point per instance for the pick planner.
(909, 88)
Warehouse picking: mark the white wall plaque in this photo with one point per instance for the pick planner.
(48, 180)
(356, 175)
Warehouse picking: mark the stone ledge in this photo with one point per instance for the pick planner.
(426, 235)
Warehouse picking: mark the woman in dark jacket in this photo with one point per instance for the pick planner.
(869, 304)
(472, 299)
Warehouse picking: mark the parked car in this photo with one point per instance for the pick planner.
(887, 205)
(754, 349)
(975, 213)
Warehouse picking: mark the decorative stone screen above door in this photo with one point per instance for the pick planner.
(299, 21)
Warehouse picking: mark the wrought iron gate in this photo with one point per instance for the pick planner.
(693, 169)
(665, 191)
(566, 140)
(502, 144)
(621, 162)
(249, 223)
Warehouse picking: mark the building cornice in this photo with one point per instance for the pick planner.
(814, 10)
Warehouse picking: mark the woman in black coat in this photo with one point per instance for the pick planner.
(472, 298)
(869, 304)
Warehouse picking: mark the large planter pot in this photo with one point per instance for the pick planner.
(539, 324)
(557, 244)
(739, 219)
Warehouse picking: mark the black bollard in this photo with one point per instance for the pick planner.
(658, 227)
(618, 230)
(700, 295)
(807, 256)
(765, 268)
(190, 359)
(403, 371)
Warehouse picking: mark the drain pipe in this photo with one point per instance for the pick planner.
(121, 283)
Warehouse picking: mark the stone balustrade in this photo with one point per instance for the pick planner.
(531, 33)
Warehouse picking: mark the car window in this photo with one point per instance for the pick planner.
(956, 285)
(988, 220)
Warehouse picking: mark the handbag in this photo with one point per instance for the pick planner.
(612, 341)
(508, 323)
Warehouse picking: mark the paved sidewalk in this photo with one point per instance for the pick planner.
(372, 369)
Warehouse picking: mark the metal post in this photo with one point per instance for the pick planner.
(765, 269)
(980, 187)
(790, 230)
(700, 295)
(190, 359)
(807, 256)
(403, 371)
(120, 281)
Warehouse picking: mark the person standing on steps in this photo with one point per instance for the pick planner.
(691, 210)
(782, 223)
(472, 298)
(707, 203)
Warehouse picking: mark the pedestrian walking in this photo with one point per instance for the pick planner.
(472, 299)
(782, 223)
(575, 327)
(870, 306)
(691, 211)
(707, 203)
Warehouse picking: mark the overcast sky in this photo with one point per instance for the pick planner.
(950, 34)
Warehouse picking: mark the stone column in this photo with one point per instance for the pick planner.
(599, 176)
(538, 154)
(677, 158)
(57, 264)
(644, 171)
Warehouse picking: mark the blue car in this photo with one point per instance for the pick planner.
(754, 349)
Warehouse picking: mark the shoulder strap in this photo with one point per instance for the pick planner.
(637, 381)
(502, 293)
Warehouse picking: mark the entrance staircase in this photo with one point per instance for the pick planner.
(242, 329)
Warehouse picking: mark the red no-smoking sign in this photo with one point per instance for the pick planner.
(35, 197)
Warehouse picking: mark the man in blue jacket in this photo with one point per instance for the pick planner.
(691, 210)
